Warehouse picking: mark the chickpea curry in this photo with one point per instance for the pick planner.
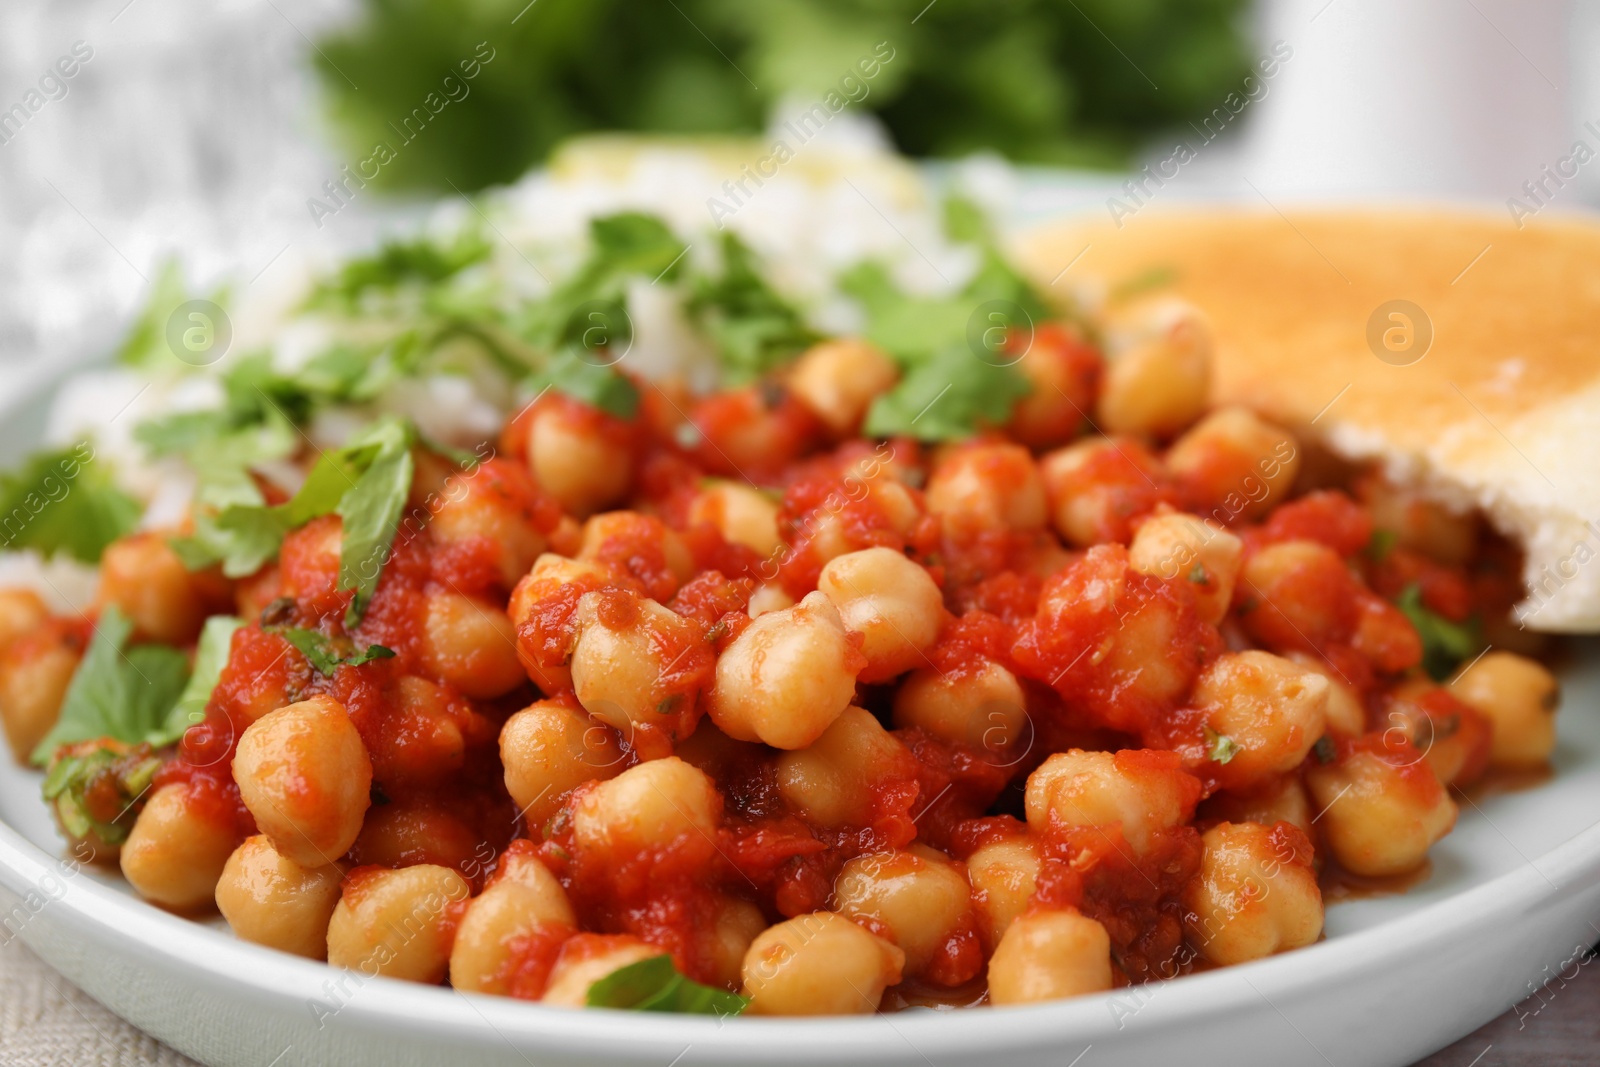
(872, 676)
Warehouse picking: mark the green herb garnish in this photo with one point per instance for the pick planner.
(655, 985)
(1445, 644)
(327, 654)
(1221, 748)
(63, 500)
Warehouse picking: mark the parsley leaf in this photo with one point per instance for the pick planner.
(146, 340)
(754, 329)
(1444, 643)
(1220, 748)
(118, 692)
(63, 501)
(1381, 544)
(655, 985)
(946, 397)
(371, 511)
(210, 657)
(599, 387)
(420, 261)
(328, 654)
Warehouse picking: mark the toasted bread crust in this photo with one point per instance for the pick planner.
(1501, 412)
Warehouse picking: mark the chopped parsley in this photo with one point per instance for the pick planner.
(656, 985)
(1445, 644)
(1220, 748)
(754, 329)
(327, 654)
(1381, 544)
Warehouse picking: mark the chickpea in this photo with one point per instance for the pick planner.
(1255, 894)
(787, 677)
(742, 514)
(1097, 487)
(1347, 712)
(1237, 462)
(407, 832)
(523, 899)
(830, 782)
(575, 459)
(1270, 709)
(177, 850)
(981, 487)
(587, 958)
(1269, 802)
(1142, 791)
(1380, 813)
(397, 924)
(737, 924)
(35, 671)
(828, 535)
(1420, 524)
(649, 806)
(1285, 596)
(919, 900)
(819, 964)
(768, 598)
(1050, 955)
(305, 776)
(983, 709)
(492, 504)
(632, 530)
(271, 900)
(469, 644)
(1519, 697)
(146, 579)
(1160, 383)
(1064, 373)
(1004, 875)
(1196, 551)
(550, 574)
(22, 612)
(891, 601)
(838, 380)
(427, 738)
(548, 750)
(623, 664)
(1453, 737)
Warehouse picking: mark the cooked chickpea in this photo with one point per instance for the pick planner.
(819, 964)
(742, 514)
(1004, 875)
(549, 574)
(575, 460)
(918, 899)
(492, 505)
(1096, 487)
(523, 898)
(981, 487)
(1379, 817)
(1187, 548)
(1420, 524)
(415, 830)
(397, 924)
(768, 598)
(633, 529)
(470, 644)
(22, 612)
(548, 750)
(177, 849)
(623, 661)
(1269, 709)
(1283, 598)
(648, 806)
(838, 380)
(896, 506)
(1519, 697)
(271, 900)
(587, 958)
(983, 709)
(1140, 790)
(1255, 894)
(1275, 800)
(306, 778)
(1236, 461)
(1050, 955)
(1347, 713)
(35, 671)
(146, 579)
(830, 782)
(737, 924)
(891, 601)
(1064, 373)
(1159, 383)
(787, 677)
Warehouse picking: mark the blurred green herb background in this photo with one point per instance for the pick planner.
(1077, 82)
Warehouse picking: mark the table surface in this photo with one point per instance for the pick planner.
(45, 1021)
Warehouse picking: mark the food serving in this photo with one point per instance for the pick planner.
(961, 657)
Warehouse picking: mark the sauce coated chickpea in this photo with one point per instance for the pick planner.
(1519, 697)
(1050, 955)
(177, 849)
(1255, 894)
(396, 923)
(1380, 813)
(1187, 548)
(649, 806)
(839, 380)
(1158, 384)
(306, 778)
(523, 899)
(891, 601)
(830, 781)
(1138, 790)
(918, 899)
(1004, 875)
(470, 644)
(548, 750)
(975, 488)
(271, 900)
(1271, 710)
(819, 964)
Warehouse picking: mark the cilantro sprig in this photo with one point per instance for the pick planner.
(656, 985)
(63, 500)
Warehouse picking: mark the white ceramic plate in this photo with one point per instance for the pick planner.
(1513, 893)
